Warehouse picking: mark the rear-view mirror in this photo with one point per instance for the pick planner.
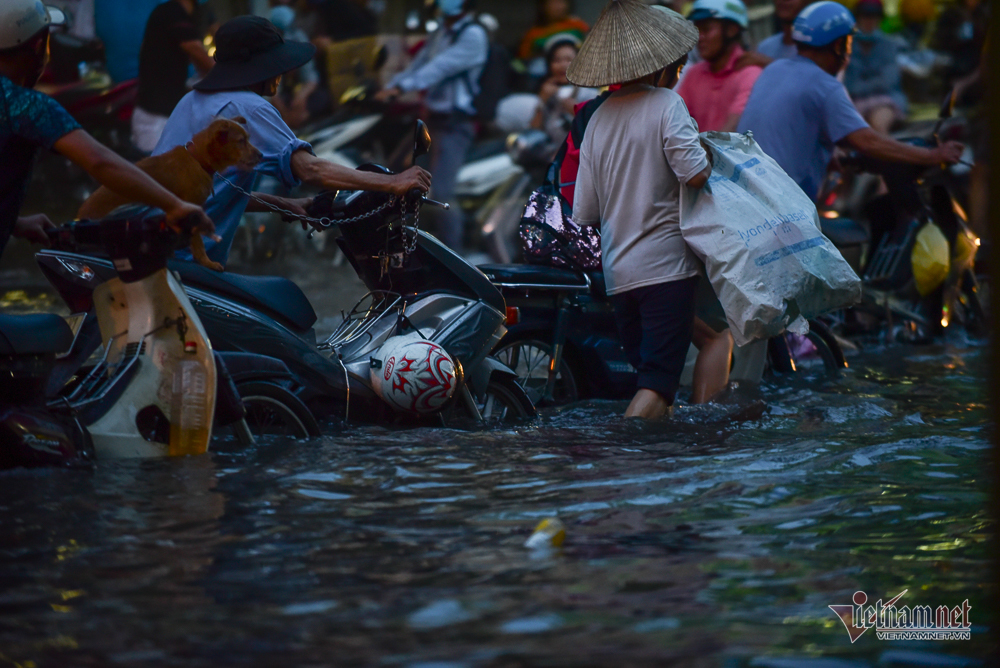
(421, 139)
(948, 107)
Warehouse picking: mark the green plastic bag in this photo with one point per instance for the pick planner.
(931, 259)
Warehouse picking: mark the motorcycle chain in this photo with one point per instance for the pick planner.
(323, 222)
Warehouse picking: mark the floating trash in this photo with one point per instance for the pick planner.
(549, 533)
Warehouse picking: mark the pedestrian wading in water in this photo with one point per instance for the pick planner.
(640, 146)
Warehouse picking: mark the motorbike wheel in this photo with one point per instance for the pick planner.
(781, 358)
(974, 300)
(832, 353)
(274, 411)
(505, 402)
(530, 359)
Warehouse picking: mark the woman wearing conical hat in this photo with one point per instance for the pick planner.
(640, 146)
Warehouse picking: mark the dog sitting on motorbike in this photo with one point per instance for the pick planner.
(187, 171)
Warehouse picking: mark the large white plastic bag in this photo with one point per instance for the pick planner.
(760, 239)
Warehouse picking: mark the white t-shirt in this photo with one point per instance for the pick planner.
(640, 145)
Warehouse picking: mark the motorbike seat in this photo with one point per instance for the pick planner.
(278, 297)
(532, 275)
(35, 334)
(844, 232)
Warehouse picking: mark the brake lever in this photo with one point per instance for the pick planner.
(440, 205)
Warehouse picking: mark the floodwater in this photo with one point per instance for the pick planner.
(701, 540)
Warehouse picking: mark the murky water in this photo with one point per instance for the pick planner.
(706, 540)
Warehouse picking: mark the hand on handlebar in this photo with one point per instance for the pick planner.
(415, 178)
(33, 229)
(948, 153)
(198, 220)
(299, 207)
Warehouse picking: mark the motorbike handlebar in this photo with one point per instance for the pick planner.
(146, 226)
(417, 195)
(440, 205)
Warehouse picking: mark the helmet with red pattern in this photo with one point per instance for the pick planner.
(414, 375)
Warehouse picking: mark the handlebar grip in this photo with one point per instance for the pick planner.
(415, 194)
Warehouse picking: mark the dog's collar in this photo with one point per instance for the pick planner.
(207, 168)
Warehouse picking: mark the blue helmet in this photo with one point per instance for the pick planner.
(822, 23)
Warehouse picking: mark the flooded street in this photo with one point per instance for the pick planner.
(702, 540)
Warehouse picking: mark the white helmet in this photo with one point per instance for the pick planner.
(20, 20)
(728, 10)
(414, 375)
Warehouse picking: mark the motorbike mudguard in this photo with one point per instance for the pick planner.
(32, 437)
(479, 376)
(152, 321)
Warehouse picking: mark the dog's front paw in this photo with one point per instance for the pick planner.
(214, 266)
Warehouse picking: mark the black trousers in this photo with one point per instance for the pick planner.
(655, 323)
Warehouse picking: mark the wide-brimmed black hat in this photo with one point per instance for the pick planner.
(248, 50)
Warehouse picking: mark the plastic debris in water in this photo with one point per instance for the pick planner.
(548, 534)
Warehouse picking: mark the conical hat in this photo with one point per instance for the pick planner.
(629, 41)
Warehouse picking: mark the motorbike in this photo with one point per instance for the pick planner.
(512, 178)
(883, 251)
(563, 343)
(416, 285)
(151, 391)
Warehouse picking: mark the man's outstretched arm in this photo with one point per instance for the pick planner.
(885, 148)
(117, 174)
(324, 174)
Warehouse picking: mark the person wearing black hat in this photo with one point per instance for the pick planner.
(250, 57)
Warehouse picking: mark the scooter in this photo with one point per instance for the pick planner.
(416, 284)
(883, 252)
(258, 393)
(151, 392)
(529, 154)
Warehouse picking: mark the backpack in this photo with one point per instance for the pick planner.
(569, 164)
(494, 81)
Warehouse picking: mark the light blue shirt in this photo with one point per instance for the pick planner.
(774, 47)
(268, 132)
(797, 113)
(448, 67)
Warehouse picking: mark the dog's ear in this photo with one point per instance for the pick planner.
(239, 119)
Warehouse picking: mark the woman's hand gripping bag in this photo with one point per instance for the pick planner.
(760, 239)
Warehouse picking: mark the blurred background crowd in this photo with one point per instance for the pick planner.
(123, 64)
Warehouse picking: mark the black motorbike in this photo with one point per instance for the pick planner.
(882, 251)
(563, 342)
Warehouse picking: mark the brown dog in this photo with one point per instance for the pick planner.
(187, 172)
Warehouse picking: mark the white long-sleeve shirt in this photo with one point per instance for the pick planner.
(448, 67)
(640, 146)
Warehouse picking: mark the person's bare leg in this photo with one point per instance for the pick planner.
(881, 119)
(648, 405)
(711, 370)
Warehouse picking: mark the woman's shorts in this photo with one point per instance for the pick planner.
(655, 323)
